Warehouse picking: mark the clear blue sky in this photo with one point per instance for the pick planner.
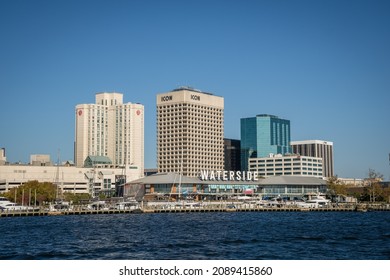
(324, 65)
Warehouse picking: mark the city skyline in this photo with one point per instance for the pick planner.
(323, 65)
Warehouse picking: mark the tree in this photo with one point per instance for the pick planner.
(76, 198)
(373, 190)
(32, 192)
(386, 194)
(336, 186)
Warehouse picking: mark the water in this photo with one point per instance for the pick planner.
(246, 235)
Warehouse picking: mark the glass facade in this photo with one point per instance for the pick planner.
(263, 135)
(232, 154)
(290, 191)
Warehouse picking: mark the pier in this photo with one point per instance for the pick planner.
(207, 208)
(66, 212)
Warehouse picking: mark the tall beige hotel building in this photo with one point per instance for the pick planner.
(189, 132)
(111, 129)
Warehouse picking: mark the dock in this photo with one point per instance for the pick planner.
(211, 208)
(66, 213)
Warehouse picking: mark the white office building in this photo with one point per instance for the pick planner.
(189, 132)
(111, 129)
(317, 148)
(288, 165)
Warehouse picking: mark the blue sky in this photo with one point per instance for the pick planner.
(324, 65)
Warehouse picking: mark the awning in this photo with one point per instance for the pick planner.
(248, 191)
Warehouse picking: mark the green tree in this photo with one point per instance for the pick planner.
(32, 192)
(76, 198)
(336, 186)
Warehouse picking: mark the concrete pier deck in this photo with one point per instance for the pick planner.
(198, 209)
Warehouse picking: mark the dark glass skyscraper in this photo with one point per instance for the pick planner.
(232, 154)
(263, 135)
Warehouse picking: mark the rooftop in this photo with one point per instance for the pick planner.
(191, 89)
(267, 115)
(174, 178)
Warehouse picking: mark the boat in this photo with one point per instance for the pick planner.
(275, 202)
(318, 201)
(13, 207)
(127, 205)
(4, 201)
(6, 205)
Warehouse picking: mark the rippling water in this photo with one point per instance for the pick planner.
(253, 235)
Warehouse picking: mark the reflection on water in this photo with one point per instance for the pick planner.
(244, 235)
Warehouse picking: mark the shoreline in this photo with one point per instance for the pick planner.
(200, 209)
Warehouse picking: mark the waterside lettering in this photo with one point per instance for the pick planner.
(229, 175)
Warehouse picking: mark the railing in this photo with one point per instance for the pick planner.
(223, 206)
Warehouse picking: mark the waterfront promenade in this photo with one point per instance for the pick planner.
(210, 207)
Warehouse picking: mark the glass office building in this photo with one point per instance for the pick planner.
(232, 154)
(264, 135)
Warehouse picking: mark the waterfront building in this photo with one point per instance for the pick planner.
(94, 180)
(111, 129)
(294, 165)
(232, 154)
(189, 131)
(292, 187)
(263, 135)
(317, 148)
(165, 186)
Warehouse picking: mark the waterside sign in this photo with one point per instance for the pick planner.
(229, 175)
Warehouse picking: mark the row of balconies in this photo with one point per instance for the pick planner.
(208, 148)
(194, 169)
(289, 173)
(188, 120)
(193, 145)
(295, 159)
(182, 134)
(190, 157)
(284, 169)
(193, 125)
(188, 123)
(193, 160)
(286, 164)
(188, 144)
(187, 116)
(190, 110)
(188, 129)
(187, 140)
(187, 105)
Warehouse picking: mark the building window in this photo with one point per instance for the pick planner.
(107, 183)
